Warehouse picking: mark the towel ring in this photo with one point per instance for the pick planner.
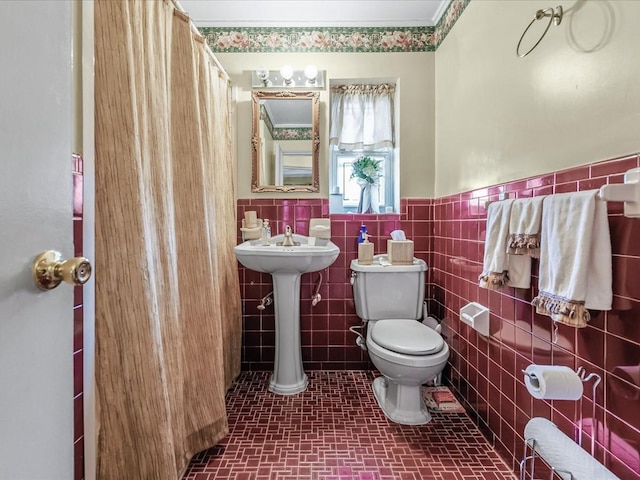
(555, 17)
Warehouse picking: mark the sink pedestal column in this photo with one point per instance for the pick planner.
(288, 376)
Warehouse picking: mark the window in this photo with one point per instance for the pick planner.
(348, 189)
(362, 124)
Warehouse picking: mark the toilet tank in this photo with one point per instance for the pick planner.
(385, 291)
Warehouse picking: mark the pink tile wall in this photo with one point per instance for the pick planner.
(78, 409)
(327, 342)
(449, 234)
(487, 371)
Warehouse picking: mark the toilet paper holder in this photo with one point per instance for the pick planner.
(582, 374)
(476, 316)
(584, 377)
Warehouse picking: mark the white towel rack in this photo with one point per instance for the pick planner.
(627, 192)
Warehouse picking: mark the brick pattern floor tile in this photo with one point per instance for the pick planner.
(336, 431)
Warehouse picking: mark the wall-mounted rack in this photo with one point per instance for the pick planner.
(627, 192)
(543, 439)
(501, 196)
(554, 16)
(594, 429)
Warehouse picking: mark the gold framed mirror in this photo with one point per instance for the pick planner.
(285, 142)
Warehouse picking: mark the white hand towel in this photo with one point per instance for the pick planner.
(524, 226)
(495, 268)
(519, 271)
(524, 239)
(575, 258)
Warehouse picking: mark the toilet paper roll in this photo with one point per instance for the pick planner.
(432, 323)
(553, 382)
(251, 219)
(562, 453)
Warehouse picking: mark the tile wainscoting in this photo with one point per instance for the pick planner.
(327, 343)
(449, 234)
(487, 371)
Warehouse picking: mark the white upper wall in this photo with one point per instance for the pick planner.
(574, 100)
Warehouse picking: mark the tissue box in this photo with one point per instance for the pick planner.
(320, 228)
(365, 253)
(400, 252)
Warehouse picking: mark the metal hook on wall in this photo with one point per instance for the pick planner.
(555, 17)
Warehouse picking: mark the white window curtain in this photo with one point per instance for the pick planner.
(362, 116)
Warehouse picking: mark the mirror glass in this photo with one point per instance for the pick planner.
(285, 141)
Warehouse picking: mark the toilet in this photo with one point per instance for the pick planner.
(406, 352)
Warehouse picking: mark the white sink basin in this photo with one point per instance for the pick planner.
(274, 258)
(286, 265)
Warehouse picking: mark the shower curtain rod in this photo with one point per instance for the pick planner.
(195, 30)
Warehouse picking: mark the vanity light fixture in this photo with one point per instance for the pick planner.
(288, 77)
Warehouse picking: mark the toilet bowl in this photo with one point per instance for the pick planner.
(407, 354)
(405, 351)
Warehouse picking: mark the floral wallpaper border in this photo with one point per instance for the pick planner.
(284, 133)
(333, 39)
(292, 134)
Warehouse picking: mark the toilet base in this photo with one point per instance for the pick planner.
(402, 404)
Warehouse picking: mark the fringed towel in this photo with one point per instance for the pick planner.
(524, 226)
(495, 268)
(575, 258)
(524, 239)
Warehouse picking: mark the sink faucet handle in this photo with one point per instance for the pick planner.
(288, 237)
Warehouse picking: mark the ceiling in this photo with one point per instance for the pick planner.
(285, 113)
(323, 13)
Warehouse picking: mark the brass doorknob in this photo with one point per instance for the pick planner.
(49, 269)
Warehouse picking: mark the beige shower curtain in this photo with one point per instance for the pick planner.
(168, 318)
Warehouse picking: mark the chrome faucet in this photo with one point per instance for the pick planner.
(288, 237)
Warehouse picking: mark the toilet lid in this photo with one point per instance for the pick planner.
(406, 336)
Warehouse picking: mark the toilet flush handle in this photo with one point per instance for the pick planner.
(353, 277)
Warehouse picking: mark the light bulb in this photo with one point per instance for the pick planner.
(311, 72)
(263, 75)
(287, 74)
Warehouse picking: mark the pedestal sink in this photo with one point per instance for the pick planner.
(286, 264)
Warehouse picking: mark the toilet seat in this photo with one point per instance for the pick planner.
(410, 360)
(406, 336)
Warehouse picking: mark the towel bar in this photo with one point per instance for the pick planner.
(501, 196)
(627, 192)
